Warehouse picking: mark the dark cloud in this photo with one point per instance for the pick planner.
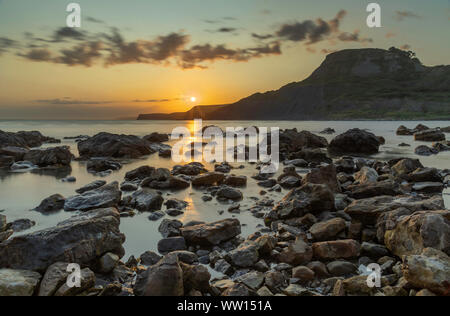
(84, 54)
(38, 54)
(226, 30)
(402, 15)
(6, 44)
(262, 37)
(311, 31)
(353, 37)
(94, 20)
(405, 47)
(69, 101)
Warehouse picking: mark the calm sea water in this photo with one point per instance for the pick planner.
(21, 192)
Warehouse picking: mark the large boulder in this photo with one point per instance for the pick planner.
(191, 169)
(140, 173)
(373, 189)
(296, 141)
(51, 204)
(18, 282)
(413, 233)
(102, 165)
(430, 135)
(297, 253)
(81, 239)
(146, 200)
(55, 276)
(229, 193)
(208, 179)
(429, 270)
(162, 279)
(157, 138)
(24, 139)
(355, 141)
(366, 175)
(105, 196)
(50, 157)
(327, 230)
(16, 152)
(405, 166)
(112, 145)
(310, 198)
(324, 175)
(213, 233)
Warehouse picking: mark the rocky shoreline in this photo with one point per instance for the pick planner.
(347, 213)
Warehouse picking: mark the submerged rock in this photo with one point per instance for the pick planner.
(105, 196)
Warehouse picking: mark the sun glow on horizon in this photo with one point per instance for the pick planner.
(193, 99)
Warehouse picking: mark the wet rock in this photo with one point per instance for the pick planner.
(91, 186)
(153, 282)
(78, 240)
(425, 151)
(339, 249)
(236, 181)
(87, 281)
(373, 251)
(147, 200)
(51, 204)
(161, 179)
(300, 163)
(290, 182)
(404, 131)
(102, 165)
(425, 175)
(4, 235)
(310, 198)
(328, 131)
(3, 223)
(21, 225)
(245, 255)
(155, 216)
(297, 253)
(55, 276)
(191, 169)
(428, 187)
(128, 187)
(208, 179)
(406, 166)
(366, 175)
(24, 139)
(56, 157)
(108, 262)
(170, 228)
(22, 166)
(106, 196)
(6, 161)
(430, 135)
(186, 257)
(355, 141)
(268, 183)
(413, 233)
(229, 193)
(140, 173)
(195, 277)
(18, 282)
(223, 267)
(381, 188)
(212, 234)
(115, 146)
(430, 270)
(324, 175)
(150, 258)
(236, 290)
(176, 204)
(327, 230)
(16, 153)
(297, 140)
(157, 138)
(341, 268)
(223, 167)
(304, 274)
(171, 244)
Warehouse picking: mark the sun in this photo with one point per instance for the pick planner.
(193, 99)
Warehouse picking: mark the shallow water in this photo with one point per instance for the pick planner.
(21, 192)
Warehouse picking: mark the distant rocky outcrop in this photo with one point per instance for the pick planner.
(350, 84)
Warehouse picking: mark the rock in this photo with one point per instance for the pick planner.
(3, 223)
(186, 257)
(425, 175)
(212, 234)
(16, 153)
(304, 274)
(341, 268)
(300, 163)
(404, 145)
(373, 251)
(310, 198)
(18, 282)
(425, 151)
(115, 146)
(428, 187)
(51, 204)
(91, 186)
(430, 135)
(319, 268)
(21, 225)
(24, 139)
(161, 179)
(296, 141)
(170, 228)
(176, 204)
(297, 253)
(157, 138)
(229, 193)
(224, 167)
(102, 165)
(208, 179)
(381, 188)
(140, 173)
(246, 255)
(69, 180)
(108, 262)
(147, 200)
(51, 157)
(355, 141)
(6, 161)
(356, 285)
(128, 187)
(404, 131)
(327, 230)
(366, 175)
(154, 282)
(106, 196)
(406, 166)
(328, 131)
(441, 146)
(235, 181)
(413, 233)
(270, 183)
(236, 290)
(87, 281)
(223, 267)
(297, 290)
(6, 234)
(253, 280)
(150, 258)
(79, 239)
(196, 277)
(170, 244)
(324, 175)
(192, 169)
(430, 270)
(22, 166)
(339, 249)
(55, 276)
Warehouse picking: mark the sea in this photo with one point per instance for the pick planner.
(20, 192)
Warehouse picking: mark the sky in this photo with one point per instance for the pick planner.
(146, 56)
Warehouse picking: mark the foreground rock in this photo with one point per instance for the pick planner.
(80, 239)
(211, 234)
(25, 139)
(430, 135)
(105, 196)
(18, 282)
(56, 157)
(355, 141)
(112, 145)
(51, 204)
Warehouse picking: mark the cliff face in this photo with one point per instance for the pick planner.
(350, 84)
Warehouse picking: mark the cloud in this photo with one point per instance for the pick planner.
(84, 54)
(69, 101)
(405, 47)
(6, 44)
(94, 20)
(402, 15)
(226, 30)
(353, 37)
(262, 36)
(38, 54)
(311, 31)
(155, 100)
